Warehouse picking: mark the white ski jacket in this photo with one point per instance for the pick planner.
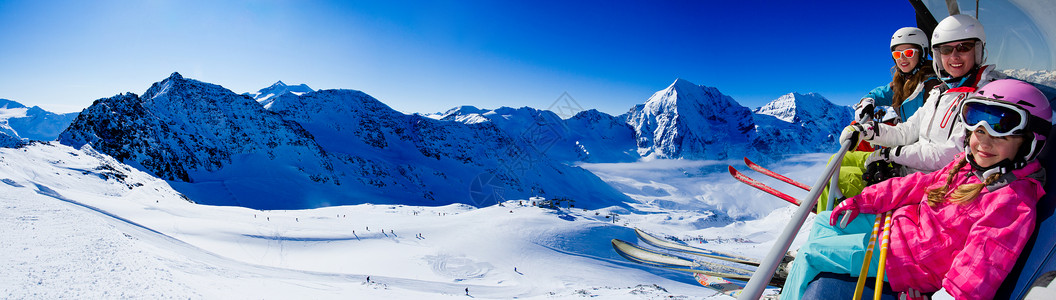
(934, 135)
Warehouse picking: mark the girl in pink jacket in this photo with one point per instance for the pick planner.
(954, 232)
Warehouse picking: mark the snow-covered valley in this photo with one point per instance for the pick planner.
(79, 224)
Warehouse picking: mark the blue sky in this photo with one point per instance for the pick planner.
(430, 56)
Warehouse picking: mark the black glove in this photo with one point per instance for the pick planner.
(879, 171)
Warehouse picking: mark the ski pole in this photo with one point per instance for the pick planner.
(755, 287)
(883, 258)
(864, 273)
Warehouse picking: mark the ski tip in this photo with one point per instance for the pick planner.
(748, 161)
(732, 171)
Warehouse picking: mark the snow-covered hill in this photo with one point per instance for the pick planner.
(31, 123)
(79, 224)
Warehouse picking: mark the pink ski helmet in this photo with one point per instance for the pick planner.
(1010, 107)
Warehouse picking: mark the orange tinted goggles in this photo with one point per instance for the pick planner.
(904, 53)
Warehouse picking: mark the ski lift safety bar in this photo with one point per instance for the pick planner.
(757, 285)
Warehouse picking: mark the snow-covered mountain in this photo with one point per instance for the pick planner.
(588, 136)
(266, 95)
(216, 146)
(684, 120)
(1046, 78)
(31, 123)
(322, 148)
(797, 123)
(436, 161)
(692, 121)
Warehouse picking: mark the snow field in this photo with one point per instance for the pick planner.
(84, 226)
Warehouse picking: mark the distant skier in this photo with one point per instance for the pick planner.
(467, 291)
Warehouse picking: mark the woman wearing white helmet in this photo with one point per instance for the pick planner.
(932, 136)
(913, 77)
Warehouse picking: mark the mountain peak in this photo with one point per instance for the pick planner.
(682, 84)
(278, 84)
(793, 107)
(4, 103)
(175, 76)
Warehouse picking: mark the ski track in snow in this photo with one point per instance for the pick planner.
(71, 231)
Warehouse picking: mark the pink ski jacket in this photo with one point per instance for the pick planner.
(966, 249)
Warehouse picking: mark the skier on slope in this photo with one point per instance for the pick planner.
(954, 232)
(913, 77)
(932, 136)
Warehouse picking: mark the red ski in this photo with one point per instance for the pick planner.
(773, 174)
(763, 187)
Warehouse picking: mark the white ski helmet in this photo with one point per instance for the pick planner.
(910, 35)
(956, 28)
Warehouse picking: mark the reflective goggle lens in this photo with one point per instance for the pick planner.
(904, 53)
(1001, 120)
(962, 47)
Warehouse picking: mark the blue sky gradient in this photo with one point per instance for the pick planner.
(430, 56)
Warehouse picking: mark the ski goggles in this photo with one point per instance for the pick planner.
(1000, 118)
(948, 49)
(908, 53)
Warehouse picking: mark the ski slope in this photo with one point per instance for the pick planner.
(77, 224)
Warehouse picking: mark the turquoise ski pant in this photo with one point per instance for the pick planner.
(830, 249)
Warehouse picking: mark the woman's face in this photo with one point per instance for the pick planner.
(958, 62)
(989, 150)
(907, 64)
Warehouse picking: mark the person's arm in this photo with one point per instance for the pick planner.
(897, 192)
(929, 155)
(994, 243)
(882, 95)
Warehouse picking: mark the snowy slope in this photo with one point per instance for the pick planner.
(80, 224)
(31, 123)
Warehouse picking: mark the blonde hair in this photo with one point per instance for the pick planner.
(965, 193)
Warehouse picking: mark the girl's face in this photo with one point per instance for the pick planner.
(904, 63)
(958, 62)
(989, 150)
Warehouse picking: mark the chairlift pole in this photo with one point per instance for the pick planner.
(755, 287)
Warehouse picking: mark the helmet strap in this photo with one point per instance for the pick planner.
(1002, 167)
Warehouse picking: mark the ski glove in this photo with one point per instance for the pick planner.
(848, 206)
(883, 155)
(863, 111)
(849, 133)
